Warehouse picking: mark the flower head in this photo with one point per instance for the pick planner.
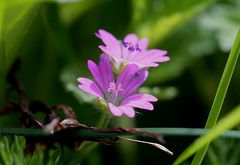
(131, 50)
(118, 94)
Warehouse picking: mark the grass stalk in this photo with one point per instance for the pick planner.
(220, 95)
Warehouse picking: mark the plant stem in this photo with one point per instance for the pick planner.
(87, 146)
(84, 133)
(104, 119)
(220, 95)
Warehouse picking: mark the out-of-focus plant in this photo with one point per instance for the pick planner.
(55, 38)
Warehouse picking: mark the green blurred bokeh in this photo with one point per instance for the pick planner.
(55, 38)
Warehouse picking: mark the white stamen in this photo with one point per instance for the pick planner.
(113, 93)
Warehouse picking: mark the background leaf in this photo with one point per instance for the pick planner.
(228, 122)
(55, 38)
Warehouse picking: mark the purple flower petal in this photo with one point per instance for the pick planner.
(158, 52)
(131, 38)
(103, 74)
(150, 58)
(140, 101)
(105, 49)
(116, 111)
(125, 54)
(128, 56)
(141, 104)
(136, 81)
(106, 70)
(140, 97)
(130, 79)
(126, 75)
(90, 87)
(131, 51)
(143, 43)
(156, 55)
(129, 111)
(112, 45)
(94, 69)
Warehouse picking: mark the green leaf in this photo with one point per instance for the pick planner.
(18, 23)
(159, 20)
(228, 122)
(58, 33)
(201, 35)
(2, 49)
(69, 78)
(72, 11)
(165, 18)
(169, 70)
(162, 93)
(221, 93)
(224, 151)
(2, 37)
(222, 20)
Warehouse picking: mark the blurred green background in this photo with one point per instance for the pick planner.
(55, 38)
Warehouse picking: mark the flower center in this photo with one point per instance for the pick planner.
(112, 95)
(131, 47)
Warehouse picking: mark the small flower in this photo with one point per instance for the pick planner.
(131, 50)
(118, 95)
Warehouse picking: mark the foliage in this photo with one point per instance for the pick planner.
(54, 39)
(12, 152)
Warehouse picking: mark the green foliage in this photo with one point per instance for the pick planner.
(221, 93)
(155, 23)
(12, 152)
(218, 153)
(213, 29)
(55, 38)
(226, 123)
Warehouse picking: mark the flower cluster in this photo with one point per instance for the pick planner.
(131, 59)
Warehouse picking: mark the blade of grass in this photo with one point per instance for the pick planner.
(220, 95)
(229, 121)
(2, 40)
(16, 28)
(3, 59)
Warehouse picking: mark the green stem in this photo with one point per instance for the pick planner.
(220, 95)
(85, 133)
(87, 146)
(104, 119)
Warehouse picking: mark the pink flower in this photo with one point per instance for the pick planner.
(131, 50)
(118, 95)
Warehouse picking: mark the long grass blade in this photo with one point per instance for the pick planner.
(220, 95)
(226, 123)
